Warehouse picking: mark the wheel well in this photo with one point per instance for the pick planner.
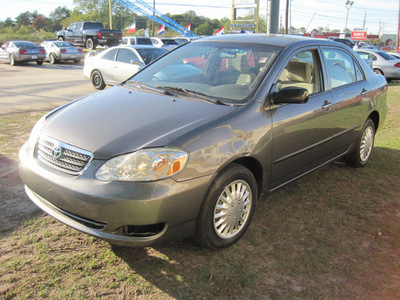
(255, 167)
(374, 116)
(380, 70)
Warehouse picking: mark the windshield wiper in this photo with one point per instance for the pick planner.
(191, 93)
(141, 85)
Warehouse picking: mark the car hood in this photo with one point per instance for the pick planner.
(121, 120)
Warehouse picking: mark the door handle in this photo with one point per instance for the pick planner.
(327, 105)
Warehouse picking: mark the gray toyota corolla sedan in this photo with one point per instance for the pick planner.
(186, 146)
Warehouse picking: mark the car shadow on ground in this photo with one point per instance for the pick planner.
(254, 268)
(63, 65)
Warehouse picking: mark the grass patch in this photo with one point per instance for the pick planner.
(331, 235)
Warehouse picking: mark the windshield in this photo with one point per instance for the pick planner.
(385, 55)
(150, 54)
(24, 44)
(224, 71)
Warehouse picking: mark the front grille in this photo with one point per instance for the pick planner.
(61, 156)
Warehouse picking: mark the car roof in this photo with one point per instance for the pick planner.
(271, 39)
(136, 46)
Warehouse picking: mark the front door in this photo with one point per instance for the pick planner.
(302, 133)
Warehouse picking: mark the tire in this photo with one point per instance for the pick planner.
(39, 62)
(97, 80)
(52, 59)
(77, 61)
(89, 44)
(60, 38)
(378, 71)
(360, 154)
(227, 209)
(12, 60)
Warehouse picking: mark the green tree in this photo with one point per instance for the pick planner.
(24, 19)
(40, 22)
(56, 17)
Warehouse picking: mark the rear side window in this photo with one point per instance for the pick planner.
(110, 55)
(341, 67)
(126, 56)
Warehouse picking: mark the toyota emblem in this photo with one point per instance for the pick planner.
(56, 152)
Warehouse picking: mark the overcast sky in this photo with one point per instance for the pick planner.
(380, 16)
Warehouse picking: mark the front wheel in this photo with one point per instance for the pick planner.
(97, 80)
(362, 150)
(378, 71)
(227, 209)
(12, 60)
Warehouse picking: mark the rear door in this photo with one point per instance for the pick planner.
(302, 133)
(127, 63)
(350, 91)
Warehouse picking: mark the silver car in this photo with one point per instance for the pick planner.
(382, 63)
(179, 150)
(22, 51)
(60, 51)
(116, 64)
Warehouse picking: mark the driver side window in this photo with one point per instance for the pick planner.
(302, 71)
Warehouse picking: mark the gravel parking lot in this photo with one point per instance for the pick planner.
(30, 87)
(26, 92)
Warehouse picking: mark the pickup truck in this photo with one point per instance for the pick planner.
(90, 34)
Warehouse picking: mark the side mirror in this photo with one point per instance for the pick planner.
(291, 95)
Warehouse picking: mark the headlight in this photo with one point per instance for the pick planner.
(144, 165)
(36, 132)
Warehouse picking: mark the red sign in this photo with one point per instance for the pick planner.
(358, 35)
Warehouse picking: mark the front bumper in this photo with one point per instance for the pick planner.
(125, 213)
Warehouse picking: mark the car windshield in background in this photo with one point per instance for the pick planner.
(150, 54)
(229, 72)
(25, 44)
(63, 44)
(385, 55)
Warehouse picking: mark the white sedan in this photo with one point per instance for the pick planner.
(116, 64)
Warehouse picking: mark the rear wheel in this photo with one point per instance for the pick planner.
(361, 152)
(97, 80)
(39, 62)
(52, 58)
(89, 44)
(227, 209)
(77, 61)
(60, 38)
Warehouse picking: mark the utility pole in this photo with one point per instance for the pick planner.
(365, 19)
(287, 17)
(110, 13)
(398, 29)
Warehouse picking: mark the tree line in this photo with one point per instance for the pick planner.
(98, 10)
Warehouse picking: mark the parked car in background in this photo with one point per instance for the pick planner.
(22, 51)
(116, 64)
(382, 63)
(180, 40)
(395, 55)
(90, 34)
(165, 43)
(136, 40)
(347, 42)
(61, 51)
(179, 151)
